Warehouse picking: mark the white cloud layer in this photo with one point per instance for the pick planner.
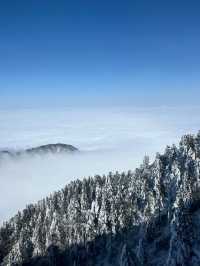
(109, 140)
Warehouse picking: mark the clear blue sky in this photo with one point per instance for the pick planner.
(99, 52)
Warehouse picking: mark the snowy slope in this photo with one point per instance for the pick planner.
(150, 216)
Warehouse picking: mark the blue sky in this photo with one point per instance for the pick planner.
(59, 53)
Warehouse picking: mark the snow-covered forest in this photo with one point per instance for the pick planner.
(149, 216)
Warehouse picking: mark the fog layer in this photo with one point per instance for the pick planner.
(108, 140)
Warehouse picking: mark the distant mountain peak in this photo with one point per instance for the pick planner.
(43, 149)
(52, 148)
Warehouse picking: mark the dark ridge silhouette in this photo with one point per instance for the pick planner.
(44, 149)
(53, 148)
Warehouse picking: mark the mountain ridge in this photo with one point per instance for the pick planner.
(43, 149)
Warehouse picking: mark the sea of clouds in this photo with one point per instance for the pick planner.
(109, 139)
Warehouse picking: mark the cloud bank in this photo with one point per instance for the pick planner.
(109, 140)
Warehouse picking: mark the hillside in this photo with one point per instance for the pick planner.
(150, 216)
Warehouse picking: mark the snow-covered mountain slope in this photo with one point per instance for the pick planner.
(147, 217)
